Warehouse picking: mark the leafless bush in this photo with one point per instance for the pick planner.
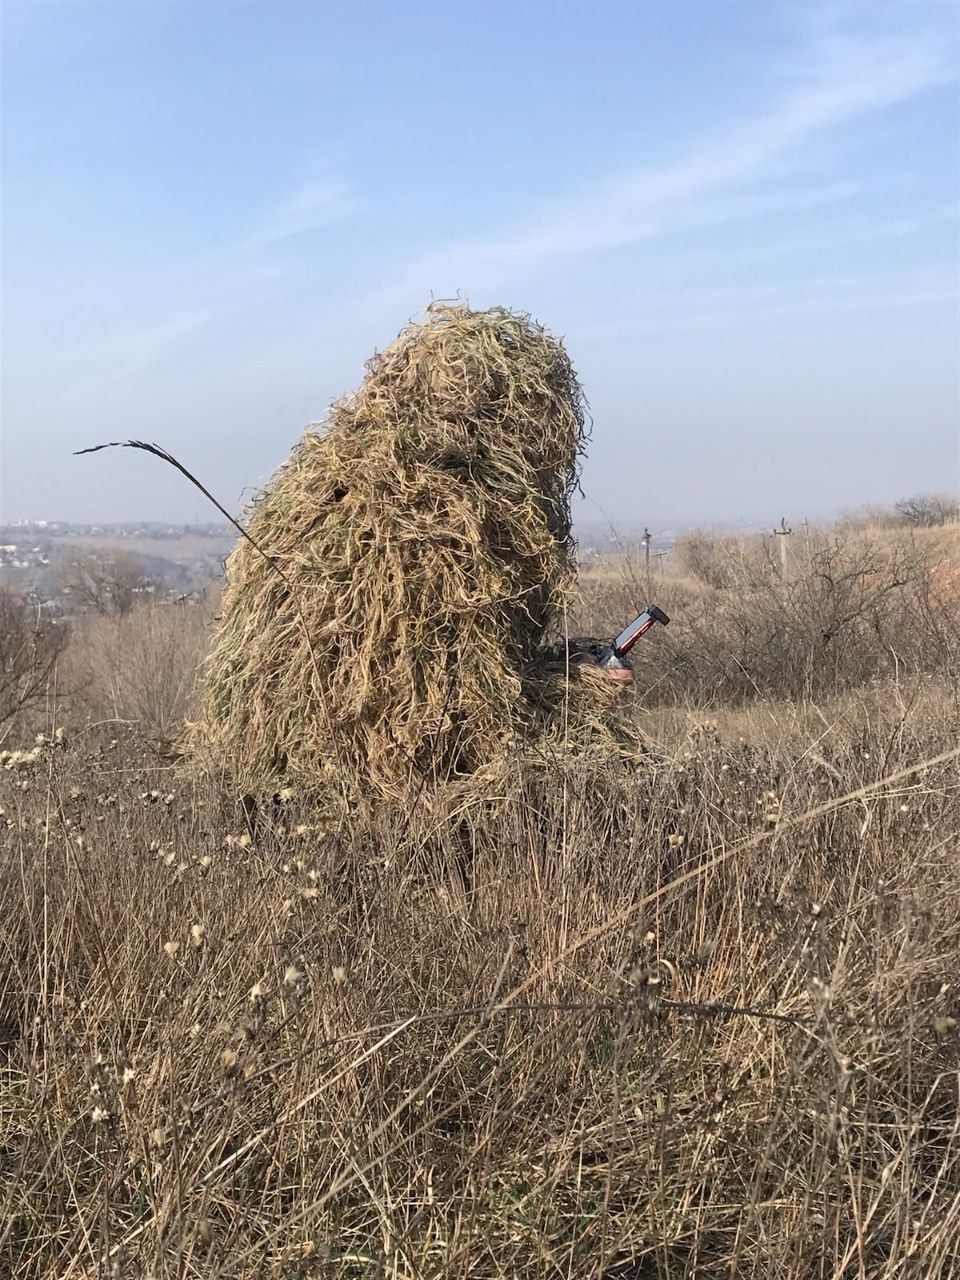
(715, 559)
(30, 644)
(104, 582)
(929, 510)
(851, 608)
(869, 517)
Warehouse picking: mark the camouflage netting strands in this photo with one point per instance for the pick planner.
(423, 536)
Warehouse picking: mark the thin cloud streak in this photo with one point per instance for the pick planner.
(309, 207)
(220, 278)
(712, 309)
(838, 80)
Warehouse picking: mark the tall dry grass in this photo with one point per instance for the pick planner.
(139, 668)
(693, 1019)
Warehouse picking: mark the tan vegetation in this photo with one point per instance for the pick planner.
(138, 668)
(30, 645)
(693, 1019)
(855, 606)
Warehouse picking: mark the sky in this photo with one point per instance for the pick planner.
(742, 218)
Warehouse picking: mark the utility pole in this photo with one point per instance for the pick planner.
(660, 557)
(783, 533)
(646, 560)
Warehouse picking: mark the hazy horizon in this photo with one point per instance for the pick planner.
(742, 219)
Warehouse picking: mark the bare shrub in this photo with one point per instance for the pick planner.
(30, 644)
(869, 516)
(712, 559)
(104, 582)
(929, 510)
(854, 606)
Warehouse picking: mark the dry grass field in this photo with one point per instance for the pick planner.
(695, 1016)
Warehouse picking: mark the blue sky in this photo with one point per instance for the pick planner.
(743, 218)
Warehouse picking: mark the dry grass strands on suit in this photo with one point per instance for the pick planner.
(423, 538)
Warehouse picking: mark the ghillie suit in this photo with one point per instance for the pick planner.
(388, 627)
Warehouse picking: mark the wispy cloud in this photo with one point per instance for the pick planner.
(704, 310)
(312, 205)
(835, 80)
(216, 283)
(850, 230)
(163, 333)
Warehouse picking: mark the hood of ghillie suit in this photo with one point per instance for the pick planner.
(419, 547)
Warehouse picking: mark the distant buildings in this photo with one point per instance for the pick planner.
(177, 560)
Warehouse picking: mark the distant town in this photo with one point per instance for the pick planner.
(60, 564)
